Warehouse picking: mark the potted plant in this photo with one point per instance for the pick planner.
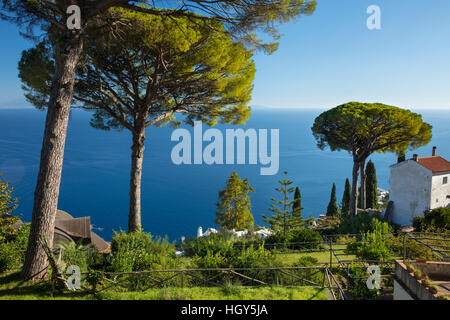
(421, 260)
(410, 268)
(433, 289)
(426, 281)
(418, 274)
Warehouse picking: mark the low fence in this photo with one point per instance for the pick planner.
(320, 277)
(332, 275)
(438, 243)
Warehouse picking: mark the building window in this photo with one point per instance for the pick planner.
(445, 180)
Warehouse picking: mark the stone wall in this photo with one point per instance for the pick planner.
(410, 284)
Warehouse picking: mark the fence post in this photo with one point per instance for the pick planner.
(404, 246)
(331, 254)
(139, 281)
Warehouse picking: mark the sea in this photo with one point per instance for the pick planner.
(177, 199)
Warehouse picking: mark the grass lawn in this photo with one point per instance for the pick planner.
(322, 257)
(42, 291)
(226, 293)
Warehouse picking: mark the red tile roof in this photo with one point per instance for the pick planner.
(436, 164)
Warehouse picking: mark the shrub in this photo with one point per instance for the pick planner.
(372, 245)
(7, 231)
(137, 252)
(346, 239)
(250, 257)
(9, 258)
(130, 252)
(307, 261)
(357, 283)
(12, 251)
(76, 254)
(311, 238)
(279, 240)
(362, 223)
(20, 241)
(414, 250)
(433, 288)
(427, 281)
(214, 243)
(303, 238)
(418, 274)
(437, 220)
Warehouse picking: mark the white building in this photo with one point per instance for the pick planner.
(418, 185)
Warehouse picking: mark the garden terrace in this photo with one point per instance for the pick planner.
(410, 280)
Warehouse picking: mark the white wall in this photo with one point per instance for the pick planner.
(440, 191)
(410, 190)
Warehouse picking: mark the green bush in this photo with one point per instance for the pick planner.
(249, 257)
(303, 238)
(130, 252)
(76, 254)
(213, 244)
(20, 241)
(310, 238)
(362, 223)
(357, 283)
(437, 220)
(12, 251)
(414, 250)
(137, 252)
(9, 258)
(373, 246)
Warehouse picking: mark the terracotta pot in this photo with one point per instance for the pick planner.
(421, 260)
(433, 291)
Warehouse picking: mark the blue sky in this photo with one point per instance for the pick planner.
(330, 58)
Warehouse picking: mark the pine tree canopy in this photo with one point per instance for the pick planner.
(283, 218)
(155, 68)
(234, 207)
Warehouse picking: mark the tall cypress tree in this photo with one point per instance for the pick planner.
(297, 205)
(333, 210)
(346, 198)
(371, 186)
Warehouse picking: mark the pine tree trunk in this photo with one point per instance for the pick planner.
(137, 157)
(52, 154)
(354, 202)
(363, 183)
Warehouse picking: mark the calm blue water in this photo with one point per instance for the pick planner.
(178, 199)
